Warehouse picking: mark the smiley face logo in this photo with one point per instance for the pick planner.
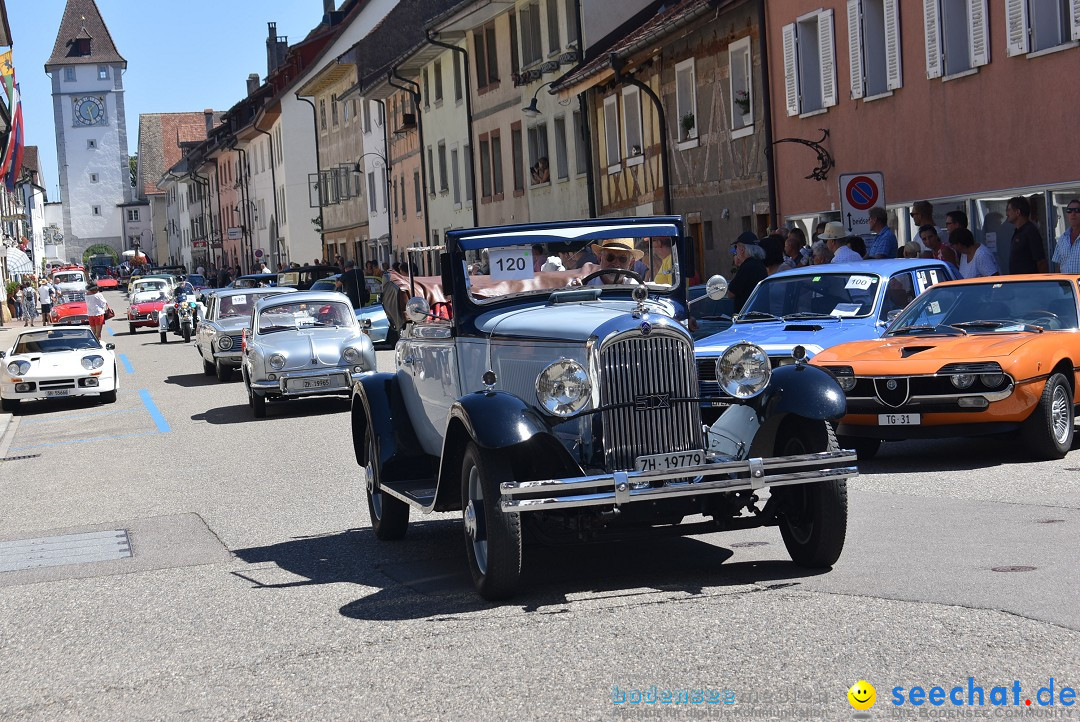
(862, 695)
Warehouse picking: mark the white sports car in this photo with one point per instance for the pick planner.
(56, 362)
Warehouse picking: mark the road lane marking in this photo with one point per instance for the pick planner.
(83, 441)
(127, 364)
(155, 414)
(109, 329)
(77, 416)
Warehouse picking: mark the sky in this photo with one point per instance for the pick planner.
(182, 56)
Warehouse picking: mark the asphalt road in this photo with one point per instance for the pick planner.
(255, 588)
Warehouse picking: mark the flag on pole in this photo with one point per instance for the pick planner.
(13, 153)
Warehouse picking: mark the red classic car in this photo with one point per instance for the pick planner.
(105, 281)
(145, 307)
(70, 310)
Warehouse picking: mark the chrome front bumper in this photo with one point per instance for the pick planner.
(710, 478)
(279, 386)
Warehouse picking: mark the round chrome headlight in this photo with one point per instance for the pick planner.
(351, 355)
(962, 381)
(224, 342)
(277, 362)
(743, 371)
(18, 368)
(92, 362)
(991, 381)
(564, 387)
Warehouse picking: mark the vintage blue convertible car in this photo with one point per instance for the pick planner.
(563, 403)
(817, 307)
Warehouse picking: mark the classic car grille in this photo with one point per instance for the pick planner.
(237, 338)
(57, 384)
(72, 321)
(645, 378)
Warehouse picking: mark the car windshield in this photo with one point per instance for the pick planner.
(196, 280)
(516, 269)
(72, 297)
(325, 284)
(305, 314)
(148, 295)
(238, 304)
(839, 295)
(54, 340)
(991, 307)
(73, 277)
(149, 286)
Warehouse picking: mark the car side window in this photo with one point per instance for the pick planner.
(927, 277)
(899, 292)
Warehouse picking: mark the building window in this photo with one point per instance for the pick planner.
(809, 63)
(437, 70)
(515, 62)
(69, 75)
(517, 153)
(427, 90)
(133, 215)
(455, 174)
(394, 196)
(573, 29)
(404, 206)
(346, 109)
(467, 155)
(631, 97)
(418, 190)
(496, 165)
(686, 98)
(322, 113)
(553, 27)
(372, 192)
(957, 36)
(367, 115)
(741, 77)
(93, 177)
(562, 165)
(611, 133)
(430, 172)
(1036, 25)
(103, 72)
(580, 148)
(95, 210)
(540, 172)
(333, 110)
(485, 167)
(487, 56)
(91, 144)
(874, 47)
(531, 49)
(457, 78)
(444, 183)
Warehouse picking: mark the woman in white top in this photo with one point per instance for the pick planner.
(976, 260)
(95, 309)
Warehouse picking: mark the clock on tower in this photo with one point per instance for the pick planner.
(89, 110)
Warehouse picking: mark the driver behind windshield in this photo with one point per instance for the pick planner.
(617, 254)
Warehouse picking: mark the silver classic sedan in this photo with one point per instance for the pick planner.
(303, 344)
(218, 335)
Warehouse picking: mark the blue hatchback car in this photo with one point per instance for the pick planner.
(821, 306)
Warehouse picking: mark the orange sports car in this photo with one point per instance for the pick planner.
(978, 356)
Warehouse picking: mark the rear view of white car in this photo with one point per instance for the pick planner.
(43, 363)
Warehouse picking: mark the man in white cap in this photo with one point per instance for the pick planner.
(836, 239)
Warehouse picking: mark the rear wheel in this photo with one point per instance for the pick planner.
(257, 401)
(224, 373)
(492, 536)
(1049, 430)
(389, 516)
(813, 517)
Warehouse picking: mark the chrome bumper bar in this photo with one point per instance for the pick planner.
(280, 385)
(709, 478)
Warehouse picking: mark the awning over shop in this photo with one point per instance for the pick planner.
(18, 263)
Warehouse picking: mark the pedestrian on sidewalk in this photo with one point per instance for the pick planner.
(1026, 254)
(30, 310)
(45, 294)
(976, 260)
(1067, 250)
(95, 309)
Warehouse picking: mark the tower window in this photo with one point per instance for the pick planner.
(95, 210)
(103, 72)
(93, 177)
(91, 144)
(69, 75)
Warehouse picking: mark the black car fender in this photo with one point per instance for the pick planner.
(377, 403)
(798, 390)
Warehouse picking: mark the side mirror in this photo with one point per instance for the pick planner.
(417, 309)
(108, 347)
(716, 288)
(365, 324)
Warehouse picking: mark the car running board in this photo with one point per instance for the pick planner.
(416, 492)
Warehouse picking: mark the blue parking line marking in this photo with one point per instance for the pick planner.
(151, 407)
(25, 421)
(81, 441)
(127, 364)
(109, 329)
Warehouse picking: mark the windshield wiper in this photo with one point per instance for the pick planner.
(807, 314)
(748, 315)
(944, 330)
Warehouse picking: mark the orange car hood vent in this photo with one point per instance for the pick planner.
(802, 327)
(912, 350)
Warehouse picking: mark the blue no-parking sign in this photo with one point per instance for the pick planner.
(859, 192)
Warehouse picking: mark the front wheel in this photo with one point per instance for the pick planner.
(1049, 430)
(865, 448)
(389, 516)
(207, 368)
(492, 536)
(164, 337)
(131, 329)
(257, 401)
(224, 373)
(187, 332)
(813, 517)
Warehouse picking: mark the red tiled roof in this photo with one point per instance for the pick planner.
(160, 135)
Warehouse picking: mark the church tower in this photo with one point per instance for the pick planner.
(91, 134)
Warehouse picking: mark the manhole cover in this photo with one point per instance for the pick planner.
(739, 545)
(1013, 569)
(1050, 521)
(95, 546)
(17, 458)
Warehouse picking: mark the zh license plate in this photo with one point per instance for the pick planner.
(899, 419)
(58, 392)
(669, 462)
(309, 384)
